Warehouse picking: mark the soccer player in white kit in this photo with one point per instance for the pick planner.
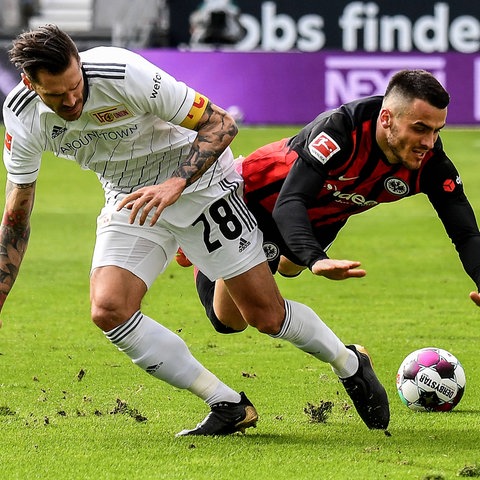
(161, 152)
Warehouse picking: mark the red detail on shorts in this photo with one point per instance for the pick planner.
(449, 185)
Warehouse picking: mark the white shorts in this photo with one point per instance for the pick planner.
(213, 226)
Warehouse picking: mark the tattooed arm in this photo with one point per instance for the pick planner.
(216, 130)
(14, 233)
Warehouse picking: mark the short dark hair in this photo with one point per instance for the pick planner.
(419, 84)
(44, 48)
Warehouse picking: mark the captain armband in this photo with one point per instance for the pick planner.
(198, 108)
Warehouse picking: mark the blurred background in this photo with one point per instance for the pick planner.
(275, 62)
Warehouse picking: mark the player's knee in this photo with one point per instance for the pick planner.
(107, 316)
(269, 328)
(269, 323)
(267, 314)
(101, 318)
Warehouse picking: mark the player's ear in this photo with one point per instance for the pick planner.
(385, 118)
(26, 81)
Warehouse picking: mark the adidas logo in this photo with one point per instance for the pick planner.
(243, 245)
(153, 368)
(56, 131)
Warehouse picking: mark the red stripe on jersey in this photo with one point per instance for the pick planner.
(264, 171)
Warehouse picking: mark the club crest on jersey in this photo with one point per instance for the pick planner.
(111, 114)
(396, 186)
(322, 147)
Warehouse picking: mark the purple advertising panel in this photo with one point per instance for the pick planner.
(294, 87)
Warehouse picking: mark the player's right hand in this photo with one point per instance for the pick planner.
(153, 198)
(338, 269)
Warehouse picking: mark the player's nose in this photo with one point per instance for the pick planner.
(69, 100)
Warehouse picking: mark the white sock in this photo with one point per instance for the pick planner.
(165, 355)
(346, 364)
(303, 328)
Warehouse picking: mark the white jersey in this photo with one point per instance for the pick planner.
(128, 132)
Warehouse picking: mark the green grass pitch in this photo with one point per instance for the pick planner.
(73, 407)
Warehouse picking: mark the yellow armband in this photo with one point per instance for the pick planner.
(199, 105)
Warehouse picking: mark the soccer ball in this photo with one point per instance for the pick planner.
(431, 380)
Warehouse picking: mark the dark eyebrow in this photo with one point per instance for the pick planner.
(60, 94)
(77, 84)
(428, 127)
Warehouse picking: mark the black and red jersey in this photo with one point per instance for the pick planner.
(332, 169)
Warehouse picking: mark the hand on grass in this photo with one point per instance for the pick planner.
(338, 269)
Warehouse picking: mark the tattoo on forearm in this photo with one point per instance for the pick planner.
(12, 250)
(214, 135)
(14, 235)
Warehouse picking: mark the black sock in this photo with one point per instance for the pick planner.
(206, 290)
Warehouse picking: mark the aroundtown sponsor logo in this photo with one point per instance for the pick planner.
(93, 136)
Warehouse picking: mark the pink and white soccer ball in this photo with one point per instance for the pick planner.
(431, 380)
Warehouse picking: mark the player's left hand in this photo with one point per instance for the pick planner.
(337, 269)
(475, 296)
(154, 197)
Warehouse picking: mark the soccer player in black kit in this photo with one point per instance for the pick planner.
(379, 149)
